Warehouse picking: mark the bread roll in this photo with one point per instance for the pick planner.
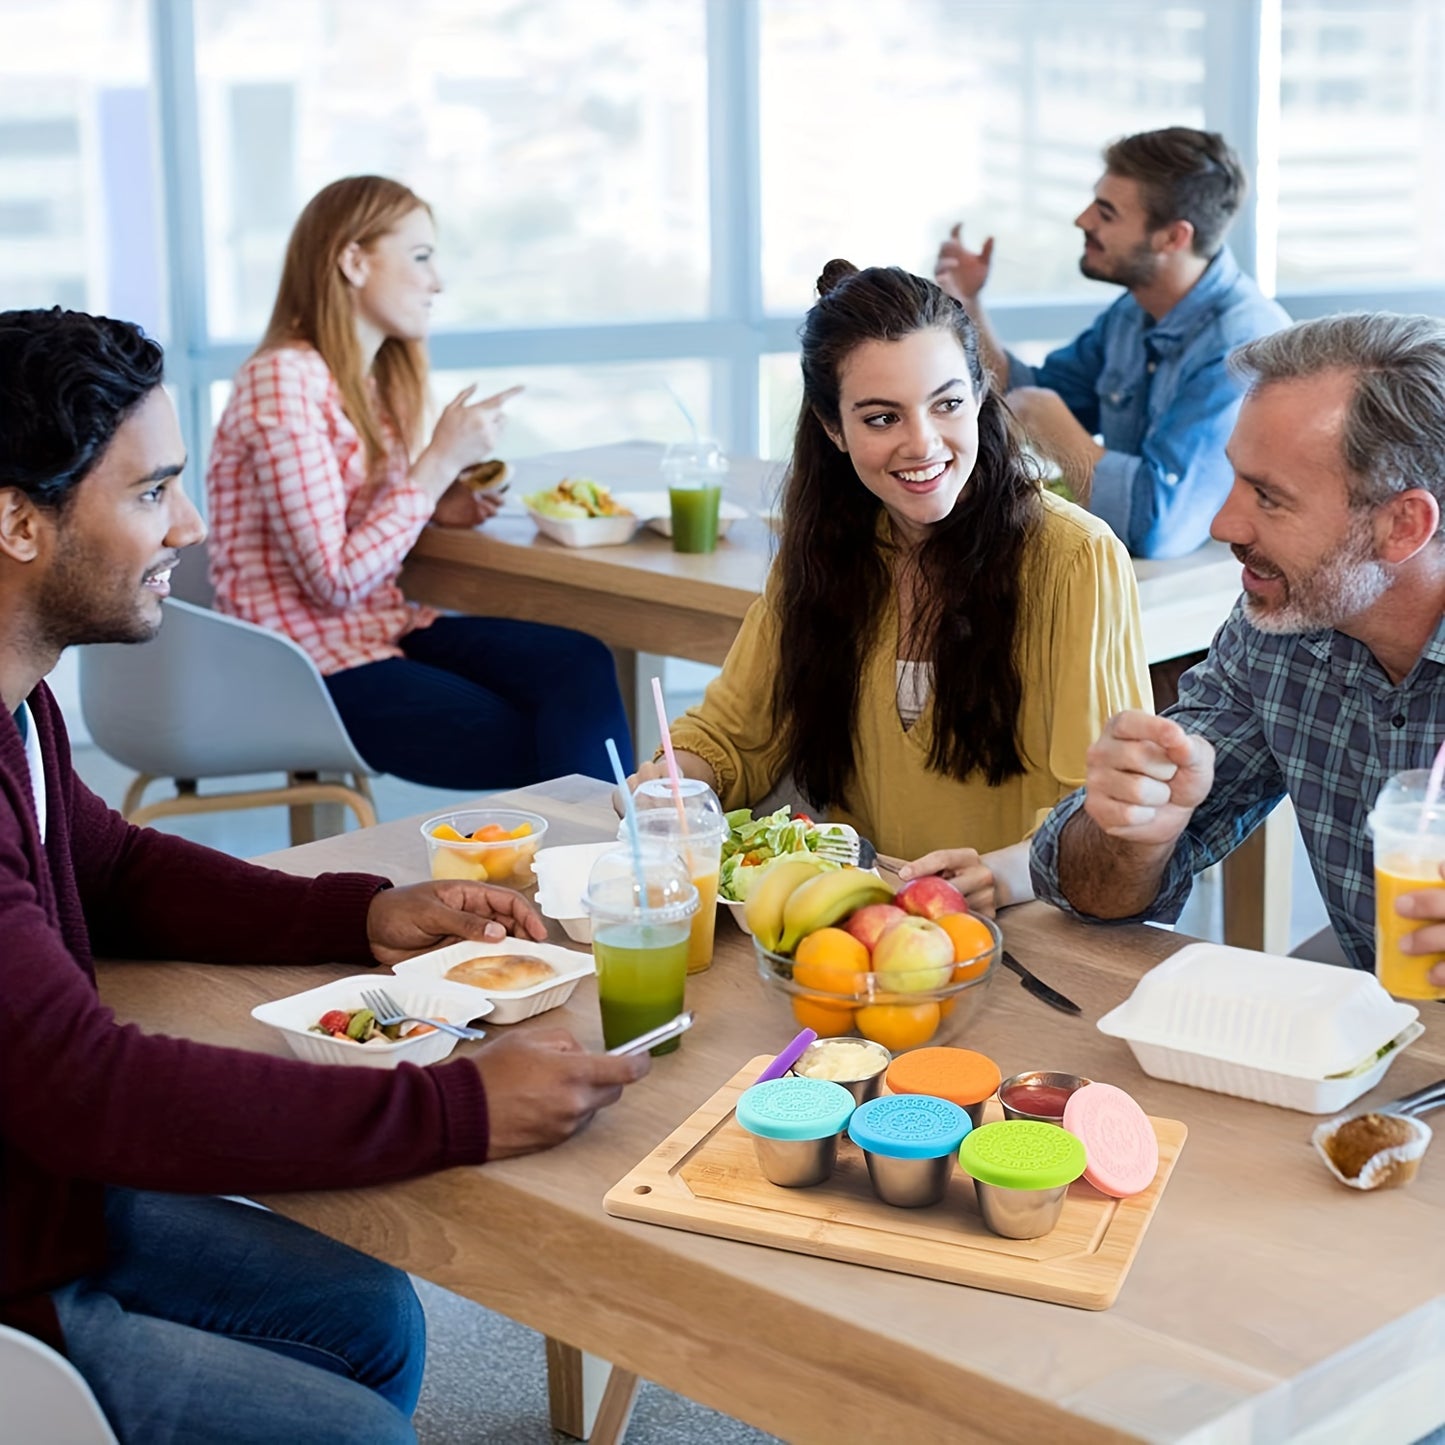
(502, 974)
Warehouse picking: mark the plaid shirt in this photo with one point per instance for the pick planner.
(1312, 715)
(302, 540)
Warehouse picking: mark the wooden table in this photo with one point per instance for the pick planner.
(646, 598)
(1267, 1303)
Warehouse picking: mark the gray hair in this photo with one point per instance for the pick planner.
(1394, 434)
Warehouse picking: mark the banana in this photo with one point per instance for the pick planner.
(822, 901)
(764, 910)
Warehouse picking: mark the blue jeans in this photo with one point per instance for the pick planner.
(221, 1322)
(480, 703)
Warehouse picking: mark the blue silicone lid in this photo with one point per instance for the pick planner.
(909, 1126)
(794, 1108)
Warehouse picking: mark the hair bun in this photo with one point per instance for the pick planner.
(834, 274)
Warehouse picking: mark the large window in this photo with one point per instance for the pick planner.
(1361, 143)
(566, 163)
(634, 195)
(883, 125)
(79, 203)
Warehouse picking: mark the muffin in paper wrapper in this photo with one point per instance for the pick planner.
(1361, 1151)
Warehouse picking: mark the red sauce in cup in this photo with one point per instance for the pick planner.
(1046, 1101)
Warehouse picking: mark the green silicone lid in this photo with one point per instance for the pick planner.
(1023, 1154)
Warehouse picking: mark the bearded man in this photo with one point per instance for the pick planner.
(1149, 376)
(1329, 675)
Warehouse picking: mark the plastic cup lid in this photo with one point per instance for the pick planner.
(794, 1108)
(1120, 1142)
(1023, 1154)
(909, 1126)
(958, 1075)
(613, 893)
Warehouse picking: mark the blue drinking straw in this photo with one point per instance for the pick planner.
(629, 816)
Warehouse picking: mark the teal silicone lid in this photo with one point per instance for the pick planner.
(794, 1108)
(909, 1126)
(1023, 1154)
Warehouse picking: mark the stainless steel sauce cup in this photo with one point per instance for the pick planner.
(1022, 1169)
(862, 1078)
(795, 1125)
(909, 1142)
(1048, 1089)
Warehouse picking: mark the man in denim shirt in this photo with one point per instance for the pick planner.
(1149, 375)
(1330, 675)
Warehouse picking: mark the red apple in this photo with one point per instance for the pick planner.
(930, 897)
(913, 954)
(867, 924)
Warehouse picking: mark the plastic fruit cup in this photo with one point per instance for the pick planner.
(1039, 1095)
(910, 1143)
(961, 1076)
(491, 845)
(899, 1017)
(795, 1125)
(1021, 1171)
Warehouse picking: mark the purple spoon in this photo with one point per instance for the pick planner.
(788, 1057)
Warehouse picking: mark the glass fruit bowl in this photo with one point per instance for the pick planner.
(899, 1007)
(490, 845)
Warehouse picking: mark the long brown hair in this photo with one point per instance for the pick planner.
(314, 305)
(834, 577)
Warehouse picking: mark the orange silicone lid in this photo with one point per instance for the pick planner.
(958, 1075)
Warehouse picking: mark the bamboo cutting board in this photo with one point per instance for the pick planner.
(704, 1178)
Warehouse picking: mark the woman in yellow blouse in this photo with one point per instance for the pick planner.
(940, 640)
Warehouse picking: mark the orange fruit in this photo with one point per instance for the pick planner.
(971, 938)
(830, 960)
(445, 830)
(491, 833)
(827, 1020)
(898, 1026)
(520, 831)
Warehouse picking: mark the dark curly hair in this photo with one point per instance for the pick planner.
(833, 578)
(67, 382)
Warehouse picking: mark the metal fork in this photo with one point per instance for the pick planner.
(841, 844)
(388, 1011)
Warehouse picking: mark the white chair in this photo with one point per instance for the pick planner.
(43, 1398)
(214, 697)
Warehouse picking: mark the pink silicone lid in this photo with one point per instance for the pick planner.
(1118, 1138)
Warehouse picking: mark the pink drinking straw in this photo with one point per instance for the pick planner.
(670, 756)
(1432, 788)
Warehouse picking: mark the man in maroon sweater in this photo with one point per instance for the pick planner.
(194, 1317)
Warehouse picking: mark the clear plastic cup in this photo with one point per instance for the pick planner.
(1409, 850)
(694, 473)
(640, 934)
(699, 845)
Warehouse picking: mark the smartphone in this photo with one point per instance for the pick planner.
(672, 1029)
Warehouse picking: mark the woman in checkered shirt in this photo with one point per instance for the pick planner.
(319, 484)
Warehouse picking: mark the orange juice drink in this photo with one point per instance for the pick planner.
(1405, 975)
(1409, 851)
(697, 837)
(704, 921)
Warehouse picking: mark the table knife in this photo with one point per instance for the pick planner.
(1038, 987)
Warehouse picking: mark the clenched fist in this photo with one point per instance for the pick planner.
(1144, 778)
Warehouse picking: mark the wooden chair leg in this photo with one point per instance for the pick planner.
(135, 793)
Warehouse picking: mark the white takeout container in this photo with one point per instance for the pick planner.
(1276, 1030)
(509, 1006)
(585, 531)
(294, 1015)
(561, 882)
(655, 509)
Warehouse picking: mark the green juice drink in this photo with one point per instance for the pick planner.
(694, 517)
(641, 974)
(641, 903)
